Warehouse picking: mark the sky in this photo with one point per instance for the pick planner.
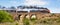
(52, 5)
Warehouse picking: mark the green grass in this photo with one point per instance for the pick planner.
(26, 21)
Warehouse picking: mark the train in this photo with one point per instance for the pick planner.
(28, 9)
(33, 9)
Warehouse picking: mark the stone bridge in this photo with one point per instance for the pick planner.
(23, 15)
(20, 16)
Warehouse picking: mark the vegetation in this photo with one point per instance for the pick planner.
(5, 17)
(26, 21)
(16, 23)
(50, 20)
(33, 19)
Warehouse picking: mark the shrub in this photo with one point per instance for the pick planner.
(33, 19)
(53, 14)
(16, 23)
(5, 17)
(47, 21)
(26, 21)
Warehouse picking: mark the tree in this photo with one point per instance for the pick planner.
(5, 17)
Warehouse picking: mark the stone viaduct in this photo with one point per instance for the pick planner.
(21, 15)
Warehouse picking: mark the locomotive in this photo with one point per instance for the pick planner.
(33, 9)
(28, 9)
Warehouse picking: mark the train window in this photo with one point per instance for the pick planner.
(22, 11)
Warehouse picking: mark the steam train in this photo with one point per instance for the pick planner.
(28, 9)
(32, 9)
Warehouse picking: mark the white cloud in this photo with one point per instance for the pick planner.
(35, 2)
(30, 2)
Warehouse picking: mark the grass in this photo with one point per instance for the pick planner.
(9, 23)
(42, 21)
(38, 22)
(26, 21)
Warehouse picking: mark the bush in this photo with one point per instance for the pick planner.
(5, 17)
(47, 20)
(26, 21)
(33, 19)
(16, 23)
(58, 20)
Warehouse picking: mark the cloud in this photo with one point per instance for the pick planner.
(30, 2)
(35, 2)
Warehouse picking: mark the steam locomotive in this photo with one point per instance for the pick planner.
(28, 9)
(33, 9)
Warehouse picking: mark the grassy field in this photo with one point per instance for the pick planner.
(53, 19)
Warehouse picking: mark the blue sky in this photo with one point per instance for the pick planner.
(52, 5)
